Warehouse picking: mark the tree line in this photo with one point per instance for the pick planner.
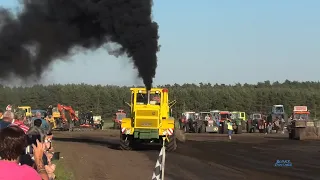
(105, 100)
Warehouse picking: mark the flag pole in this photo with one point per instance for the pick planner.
(163, 157)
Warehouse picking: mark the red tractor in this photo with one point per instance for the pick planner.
(118, 116)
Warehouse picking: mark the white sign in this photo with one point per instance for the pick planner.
(300, 108)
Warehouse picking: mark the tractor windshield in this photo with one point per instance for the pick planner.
(257, 116)
(190, 116)
(205, 115)
(120, 116)
(279, 109)
(142, 98)
(301, 116)
(235, 115)
(55, 109)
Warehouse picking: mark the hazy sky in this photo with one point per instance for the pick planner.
(216, 41)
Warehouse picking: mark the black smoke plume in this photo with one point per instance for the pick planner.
(46, 30)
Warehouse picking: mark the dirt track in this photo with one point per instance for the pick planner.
(95, 155)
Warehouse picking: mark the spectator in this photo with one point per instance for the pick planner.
(44, 124)
(37, 130)
(20, 120)
(7, 119)
(12, 143)
(269, 128)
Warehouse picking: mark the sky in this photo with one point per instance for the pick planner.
(213, 41)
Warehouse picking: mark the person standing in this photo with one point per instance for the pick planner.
(230, 128)
(90, 118)
(282, 125)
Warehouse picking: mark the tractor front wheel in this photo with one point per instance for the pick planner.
(171, 145)
(125, 142)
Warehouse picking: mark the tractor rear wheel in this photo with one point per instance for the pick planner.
(172, 144)
(203, 128)
(125, 142)
(239, 129)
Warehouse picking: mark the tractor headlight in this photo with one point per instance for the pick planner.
(128, 131)
(157, 92)
(139, 91)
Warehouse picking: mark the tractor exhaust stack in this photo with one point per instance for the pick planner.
(148, 96)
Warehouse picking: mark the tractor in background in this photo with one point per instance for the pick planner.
(223, 116)
(277, 114)
(301, 126)
(27, 109)
(210, 124)
(151, 120)
(277, 111)
(59, 120)
(255, 122)
(187, 121)
(237, 121)
(118, 116)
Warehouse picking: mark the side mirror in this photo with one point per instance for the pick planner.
(124, 102)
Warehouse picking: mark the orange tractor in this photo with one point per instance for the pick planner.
(59, 120)
(118, 116)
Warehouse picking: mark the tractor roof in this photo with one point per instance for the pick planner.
(143, 89)
(224, 112)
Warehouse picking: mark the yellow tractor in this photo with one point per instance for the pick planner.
(150, 120)
(27, 109)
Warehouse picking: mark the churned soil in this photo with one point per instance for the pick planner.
(94, 155)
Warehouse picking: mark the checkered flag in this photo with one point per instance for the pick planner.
(159, 168)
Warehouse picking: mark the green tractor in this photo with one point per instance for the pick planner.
(238, 119)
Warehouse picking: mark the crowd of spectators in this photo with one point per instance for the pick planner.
(26, 148)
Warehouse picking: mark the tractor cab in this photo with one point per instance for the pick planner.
(27, 109)
(277, 112)
(300, 113)
(188, 116)
(256, 116)
(235, 115)
(278, 109)
(224, 115)
(205, 116)
(197, 116)
(238, 115)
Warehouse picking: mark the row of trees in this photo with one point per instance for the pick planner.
(105, 100)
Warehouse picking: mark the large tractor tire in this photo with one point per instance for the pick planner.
(203, 128)
(199, 127)
(186, 128)
(125, 142)
(239, 129)
(172, 144)
(225, 128)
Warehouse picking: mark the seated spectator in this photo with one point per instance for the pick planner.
(7, 119)
(20, 122)
(13, 141)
